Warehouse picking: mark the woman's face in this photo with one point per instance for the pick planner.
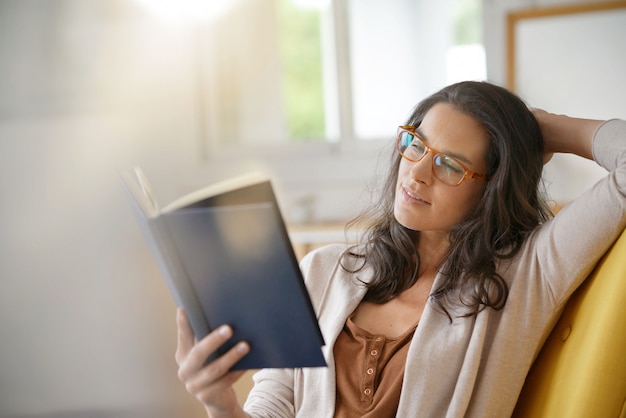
(422, 201)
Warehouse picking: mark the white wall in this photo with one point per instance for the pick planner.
(494, 21)
(86, 323)
(87, 327)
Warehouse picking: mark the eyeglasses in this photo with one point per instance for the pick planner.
(447, 169)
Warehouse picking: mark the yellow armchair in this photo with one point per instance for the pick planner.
(581, 369)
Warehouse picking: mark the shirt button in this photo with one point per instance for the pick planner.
(367, 391)
(370, 371)
(374, 352)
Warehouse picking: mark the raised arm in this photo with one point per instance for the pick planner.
(569, 246)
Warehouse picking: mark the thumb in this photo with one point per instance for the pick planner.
(185, 336)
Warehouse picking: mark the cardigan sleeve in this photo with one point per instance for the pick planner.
(569, 246)
(272, 395)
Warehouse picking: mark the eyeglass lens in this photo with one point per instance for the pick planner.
(445, 168)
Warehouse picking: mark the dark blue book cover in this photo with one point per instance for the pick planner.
(227, 259)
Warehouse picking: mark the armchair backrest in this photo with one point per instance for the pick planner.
(581, 369)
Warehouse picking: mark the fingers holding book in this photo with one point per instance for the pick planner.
(211, 383)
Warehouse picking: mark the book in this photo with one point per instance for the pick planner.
(226, 257)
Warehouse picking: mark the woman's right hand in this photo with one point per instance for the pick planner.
(212, 383)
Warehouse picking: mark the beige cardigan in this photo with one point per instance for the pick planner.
(472, 367)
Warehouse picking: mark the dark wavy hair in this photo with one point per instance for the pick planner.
(511, 206)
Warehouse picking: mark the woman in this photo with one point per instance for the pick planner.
(441, 310)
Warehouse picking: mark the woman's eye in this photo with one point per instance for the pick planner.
(453, 167)
(449, 165)
(418, 146)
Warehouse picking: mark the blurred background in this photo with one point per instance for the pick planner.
(309, 91)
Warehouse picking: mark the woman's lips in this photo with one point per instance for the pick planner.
(411, 196)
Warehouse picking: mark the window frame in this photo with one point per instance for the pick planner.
(341, 165)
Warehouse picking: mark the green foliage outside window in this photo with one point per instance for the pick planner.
(299, 38)
(467, 22)
(300, 52)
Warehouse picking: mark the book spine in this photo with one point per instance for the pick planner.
(177, 279)
(174, 273)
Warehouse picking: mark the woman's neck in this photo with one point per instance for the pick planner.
(432, 248)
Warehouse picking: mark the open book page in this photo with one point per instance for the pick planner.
(216, 190)
(138, 186)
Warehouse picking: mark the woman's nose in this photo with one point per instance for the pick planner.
(422, 170)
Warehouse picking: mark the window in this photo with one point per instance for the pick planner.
(466, 57)
(401, 51)
(300, 49)
(310, 93)
(276, 72)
